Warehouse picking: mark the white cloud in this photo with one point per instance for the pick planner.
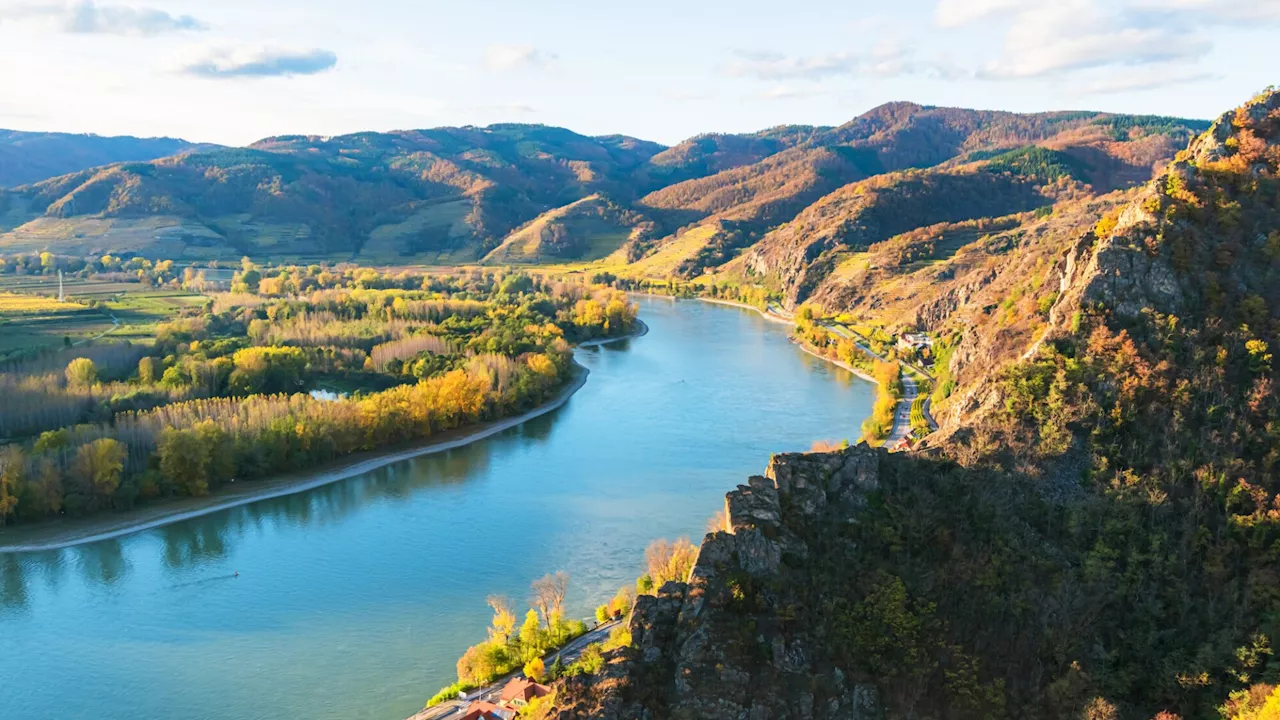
(884, 61)
(516, 57)
(684, 96)
(1066, 36)
(786, 92)
(87, 17)
(224, 63)
(1155, 78)
(1213, 11)
(1079, 34)
(954, 13)
(506, 109)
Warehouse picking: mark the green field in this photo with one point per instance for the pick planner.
(32, 319)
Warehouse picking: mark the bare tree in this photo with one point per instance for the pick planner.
(548, 594)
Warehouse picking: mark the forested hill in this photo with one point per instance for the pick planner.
(28, 157)
(449, 195)
(1095, 532)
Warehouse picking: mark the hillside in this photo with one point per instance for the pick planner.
(797, 206)
(433, 195)
(29, 157)
(587, 229)
(451, 195)
(1092, 534)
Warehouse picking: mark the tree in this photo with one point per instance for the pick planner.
(667, 561)
(531, 636)
(622, 601)
(147, 370)
(13, 467)
(47, 487)
(268, 370)
(183, 461)
(548, 594)
(51, 441)
(101, 462)
(535, 669)
(81, 372)
(504, 620)
(482, 663)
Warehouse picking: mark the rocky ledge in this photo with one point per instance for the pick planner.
(735, 641)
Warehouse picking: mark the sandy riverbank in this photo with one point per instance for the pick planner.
(55, 535)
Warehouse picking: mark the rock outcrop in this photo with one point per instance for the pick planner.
(734, 642)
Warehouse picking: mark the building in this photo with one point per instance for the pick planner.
(481, 710)
(914, 341)
(520, 691)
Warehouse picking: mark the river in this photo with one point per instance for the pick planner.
(354, 600)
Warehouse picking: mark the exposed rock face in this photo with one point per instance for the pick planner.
(733, 642)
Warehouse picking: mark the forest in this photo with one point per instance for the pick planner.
(293, 368)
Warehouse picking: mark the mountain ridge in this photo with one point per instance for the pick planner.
(454, 194)
(27, 157)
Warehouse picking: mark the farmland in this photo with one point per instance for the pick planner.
(32, 318)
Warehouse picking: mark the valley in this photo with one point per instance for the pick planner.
(1069, 319)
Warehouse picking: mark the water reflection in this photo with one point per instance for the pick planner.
(102, 563)
(13, 581)
(214, 537)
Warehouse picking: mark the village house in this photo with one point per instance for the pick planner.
(520, 691)
(914, 341)
(481, 710)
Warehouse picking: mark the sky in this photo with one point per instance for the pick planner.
(235, 71)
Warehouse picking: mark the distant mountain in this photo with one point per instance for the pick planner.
(898, 167)
(778, 205)
(448, 194)
(29, 157)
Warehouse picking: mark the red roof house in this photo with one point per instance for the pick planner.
(520, 691)
(481, 710)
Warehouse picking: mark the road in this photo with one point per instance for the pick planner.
(491, 693)
(902, 414)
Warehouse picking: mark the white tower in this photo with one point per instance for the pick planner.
(61, 296)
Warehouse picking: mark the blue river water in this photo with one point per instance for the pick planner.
(354, 600)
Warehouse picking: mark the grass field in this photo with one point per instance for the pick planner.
(31, 317)
(38, 321)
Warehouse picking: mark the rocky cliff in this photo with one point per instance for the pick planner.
(736, 641)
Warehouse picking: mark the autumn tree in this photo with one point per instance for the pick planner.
(13, 467)
(504, 619)
(532, 639)
(147, 370)
(666, 561)
(101, 463)
(81, 372)
(183, 461)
